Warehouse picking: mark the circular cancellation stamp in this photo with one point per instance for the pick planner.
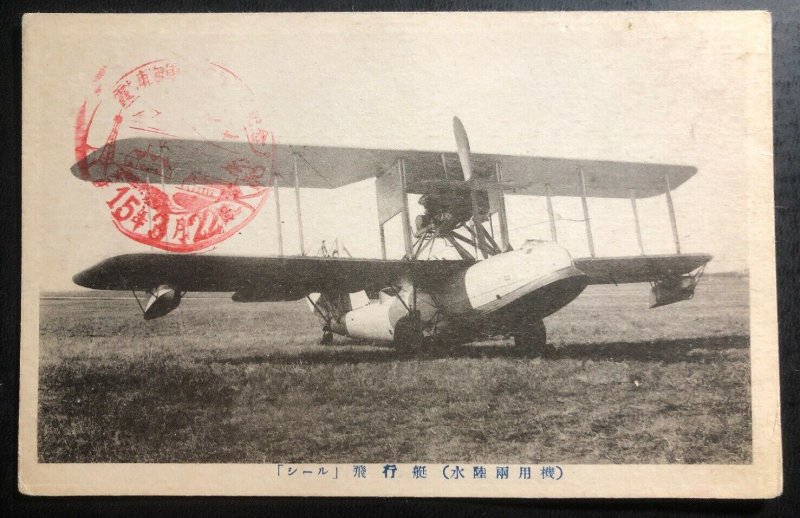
(179, 151)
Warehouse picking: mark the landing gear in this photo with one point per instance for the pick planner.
(327, 335)
(531, 341)
(408, 335)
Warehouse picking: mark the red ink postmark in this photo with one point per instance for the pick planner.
(179, 151)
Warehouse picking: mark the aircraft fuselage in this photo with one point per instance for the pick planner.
(497, 294)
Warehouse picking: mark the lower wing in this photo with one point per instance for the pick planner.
(674, 277)
(258, 278)
(645, 268)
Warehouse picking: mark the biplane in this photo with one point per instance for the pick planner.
(491, 289)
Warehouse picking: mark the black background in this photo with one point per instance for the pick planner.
(786, 81)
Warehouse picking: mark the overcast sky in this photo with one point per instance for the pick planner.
(636, 87)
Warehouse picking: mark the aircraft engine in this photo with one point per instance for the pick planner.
(162, 300)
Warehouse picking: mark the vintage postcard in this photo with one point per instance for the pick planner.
(382, 254)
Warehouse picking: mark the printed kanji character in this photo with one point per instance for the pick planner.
(389, 469)
(158, 73)
(226, 213)
(139, 218)
(143, 78)
(123, 95)
(181, 232)
(454, 472)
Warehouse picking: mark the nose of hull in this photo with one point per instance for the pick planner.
(552, 294)
(530, 283)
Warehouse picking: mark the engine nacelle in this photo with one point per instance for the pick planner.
(162, 300)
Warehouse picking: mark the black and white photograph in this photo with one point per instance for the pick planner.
(399, 254)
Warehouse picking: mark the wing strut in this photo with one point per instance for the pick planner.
(636, 220)
(297, 202)
(401, 164)
(550, 215)
(392, 197)
(277, 211)
(672, 220)
(588, 221)
(504, 241)
(125, 284)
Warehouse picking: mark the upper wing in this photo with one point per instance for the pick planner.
(620, 270)
(603, 179)
(182, 161)
(258, 278)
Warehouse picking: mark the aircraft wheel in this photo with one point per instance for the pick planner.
(531, 341)
(327, 336)
(408, 335)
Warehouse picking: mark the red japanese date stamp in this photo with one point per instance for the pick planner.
(179, 150)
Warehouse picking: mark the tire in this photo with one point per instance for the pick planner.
(408, 335)
(531, 341)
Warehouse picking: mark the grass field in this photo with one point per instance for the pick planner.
(218, 381)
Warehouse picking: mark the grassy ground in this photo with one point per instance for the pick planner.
(217, 381)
